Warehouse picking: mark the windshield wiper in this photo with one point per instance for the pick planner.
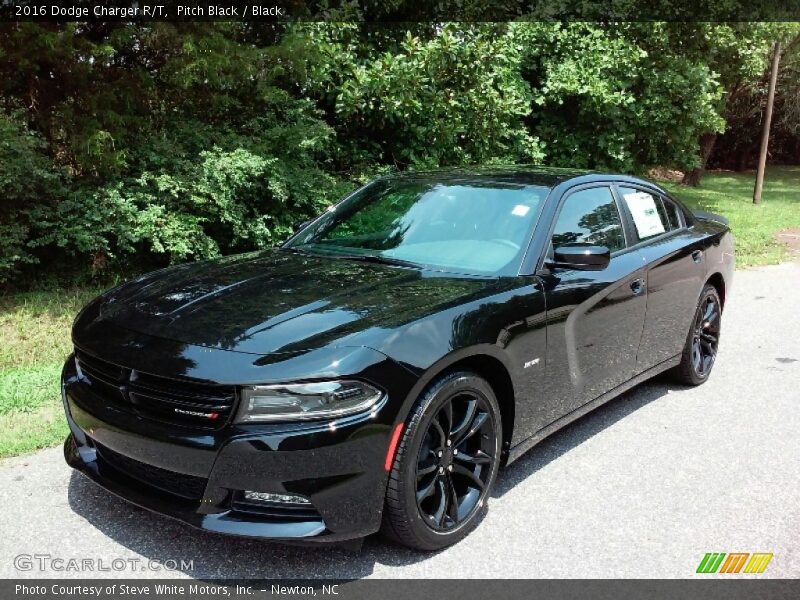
(372, 258)
(296, 250)
(379, 259)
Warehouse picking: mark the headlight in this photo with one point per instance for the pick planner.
(305, 401)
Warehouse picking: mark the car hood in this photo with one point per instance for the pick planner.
(280, 301)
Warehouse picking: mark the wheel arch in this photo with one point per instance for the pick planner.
(718, 281)
(486, 361)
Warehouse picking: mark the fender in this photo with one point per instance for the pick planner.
(448, 361)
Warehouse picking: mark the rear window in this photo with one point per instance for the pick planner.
(652, 215)
(672, 213)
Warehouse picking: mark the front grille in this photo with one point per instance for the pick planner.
(181, 402)
(179, 484)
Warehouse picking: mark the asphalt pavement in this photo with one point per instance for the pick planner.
(643, 487)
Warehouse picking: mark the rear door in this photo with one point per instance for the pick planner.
(675, 267)
(594, 318)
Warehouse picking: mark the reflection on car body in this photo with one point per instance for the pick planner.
(377, 370)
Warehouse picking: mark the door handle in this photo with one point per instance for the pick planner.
(697, 256)
(637, 287)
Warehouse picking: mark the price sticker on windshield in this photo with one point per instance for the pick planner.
(645, 214)
(520, 210)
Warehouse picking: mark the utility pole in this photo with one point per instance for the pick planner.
(762, 158)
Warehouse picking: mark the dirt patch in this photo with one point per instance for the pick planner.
(665, 174)
(791, 239)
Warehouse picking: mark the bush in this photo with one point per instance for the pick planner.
(127, 146)
(450, 97)
(28, 181)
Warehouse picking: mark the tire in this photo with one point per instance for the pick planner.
(426, 465)
(703, 338)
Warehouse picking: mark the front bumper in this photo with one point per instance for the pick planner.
(199, 477)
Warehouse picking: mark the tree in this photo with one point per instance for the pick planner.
(172, 140)
(738, 54)
(624, 96)
(737, 148)
(127, 145)
(449, 95)
(762, 159)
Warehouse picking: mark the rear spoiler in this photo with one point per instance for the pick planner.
(709, 216)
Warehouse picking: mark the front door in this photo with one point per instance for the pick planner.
(594, 318)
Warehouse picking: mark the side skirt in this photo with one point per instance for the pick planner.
(521, 448)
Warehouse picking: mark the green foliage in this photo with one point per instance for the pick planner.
(127, 146)
(450, 97)
(27, 178)
(621, 97)
(738, 148)
(222, 201)
(173, 141)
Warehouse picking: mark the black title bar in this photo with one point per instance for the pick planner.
(399, 10)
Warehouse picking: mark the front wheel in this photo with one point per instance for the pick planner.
(702, 343)
(445, 465)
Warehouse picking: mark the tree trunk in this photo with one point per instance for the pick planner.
(762, 157)
(707, 141)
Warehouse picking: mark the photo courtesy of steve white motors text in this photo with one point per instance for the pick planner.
(192, 590)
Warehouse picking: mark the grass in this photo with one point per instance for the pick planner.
(35, 326)
(731, 194)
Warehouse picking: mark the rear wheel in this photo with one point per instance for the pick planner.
(702, 343)
(445, 465)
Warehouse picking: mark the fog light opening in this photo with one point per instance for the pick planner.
(267, 497)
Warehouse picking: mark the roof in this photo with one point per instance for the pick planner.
(515, 174)
(519, 174)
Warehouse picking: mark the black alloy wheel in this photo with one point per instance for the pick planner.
(702, 344)
(455, 461)
(706, 335)
(445, 465)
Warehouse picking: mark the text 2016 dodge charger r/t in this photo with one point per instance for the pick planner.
(377, 370)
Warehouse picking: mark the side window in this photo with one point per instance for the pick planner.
(672, 213)
(590, 216)
(650, 216)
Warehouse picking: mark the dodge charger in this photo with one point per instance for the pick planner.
(377, 370)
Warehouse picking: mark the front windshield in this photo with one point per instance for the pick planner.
(472, 227)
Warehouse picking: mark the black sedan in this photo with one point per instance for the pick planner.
(378, 369)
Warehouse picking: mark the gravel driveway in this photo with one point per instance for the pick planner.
(642, 487)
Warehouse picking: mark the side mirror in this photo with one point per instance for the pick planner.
(300, 224)
(581, 257)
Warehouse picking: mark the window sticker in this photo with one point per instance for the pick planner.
(520, 210)
(644, 213)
